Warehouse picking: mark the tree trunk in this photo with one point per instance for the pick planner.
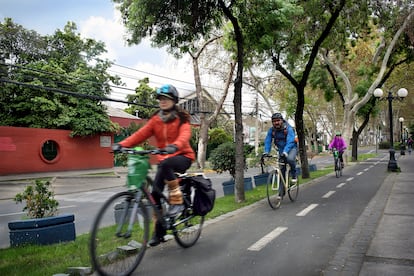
(202, 145)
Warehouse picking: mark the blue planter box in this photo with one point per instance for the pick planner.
(260, 179)
(228, 186)
(312, 168)
(42, 230)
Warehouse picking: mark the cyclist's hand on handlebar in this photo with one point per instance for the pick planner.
(170, 149)
(116, 147)
(284, 154)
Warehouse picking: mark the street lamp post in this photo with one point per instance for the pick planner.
(401, 93)
(402, 144)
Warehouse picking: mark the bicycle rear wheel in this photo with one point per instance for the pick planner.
(115, 249)
(293, 189)
(272, 188)
(187, 228)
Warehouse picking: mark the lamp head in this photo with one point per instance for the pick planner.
(378, 92)
(402, 92)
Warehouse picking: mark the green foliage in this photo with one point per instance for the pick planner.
(58, 83)
(39, 200)
(172, 24)
(216, 137)
(223, 158)
(144, 97)
(384, 145)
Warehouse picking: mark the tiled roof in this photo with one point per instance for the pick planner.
(116, 112)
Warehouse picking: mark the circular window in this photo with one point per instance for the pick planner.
(49, 151)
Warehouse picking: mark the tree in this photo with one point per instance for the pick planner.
(145, 98)
(289, 35)
(54, 85)
(207, 118)
(179, 24)
(379, 65)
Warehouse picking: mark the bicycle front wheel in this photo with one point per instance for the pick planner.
(119, 235)
(187, 228)
(293, 189)
(272, 188)
(337, 168)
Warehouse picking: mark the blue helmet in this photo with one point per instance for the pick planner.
(169, 91)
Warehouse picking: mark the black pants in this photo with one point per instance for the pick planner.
(165, 171)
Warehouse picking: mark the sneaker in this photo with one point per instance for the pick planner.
(154, 241)
(294, 179)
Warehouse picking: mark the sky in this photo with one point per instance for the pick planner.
(100, 20)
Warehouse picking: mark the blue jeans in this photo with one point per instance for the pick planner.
(291, 160)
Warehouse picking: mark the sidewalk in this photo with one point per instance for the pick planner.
(381, 242)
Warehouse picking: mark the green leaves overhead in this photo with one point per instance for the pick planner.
(33, 94)
(169, 23)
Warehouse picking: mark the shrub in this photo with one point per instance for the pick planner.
(384, 145)
(223, 158)
(39, 200)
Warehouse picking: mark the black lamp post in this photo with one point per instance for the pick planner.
(402, 144)
(401, 93)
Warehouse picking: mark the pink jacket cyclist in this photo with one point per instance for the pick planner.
(338, 143)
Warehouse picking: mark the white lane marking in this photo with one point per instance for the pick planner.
(366, 169)
(328, 194)
(69, 206)
(340, 185)
(305, 211)
(349, 179)
(11, 214)
(360, 173)
(266, 239)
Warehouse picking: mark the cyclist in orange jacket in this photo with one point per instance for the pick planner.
(170, 125)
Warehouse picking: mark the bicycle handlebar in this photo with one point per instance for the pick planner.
(140, 152)
(278, 157)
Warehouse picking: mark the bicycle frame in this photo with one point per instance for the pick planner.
(337, 162)
(120, 230)
(280, 178)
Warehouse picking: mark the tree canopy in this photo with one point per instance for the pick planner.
(54, 81)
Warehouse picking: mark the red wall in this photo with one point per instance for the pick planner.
(20, 151)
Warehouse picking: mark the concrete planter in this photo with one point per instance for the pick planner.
(42, 230)
(228, 186)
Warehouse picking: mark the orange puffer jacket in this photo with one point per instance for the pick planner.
(173, 132)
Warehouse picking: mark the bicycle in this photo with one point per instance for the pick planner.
(275, 192)
(337, 163)
(121, 228)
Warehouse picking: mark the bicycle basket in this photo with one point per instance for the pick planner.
(138, 166)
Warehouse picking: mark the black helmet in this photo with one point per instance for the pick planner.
(277, 116)
(169, 91)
